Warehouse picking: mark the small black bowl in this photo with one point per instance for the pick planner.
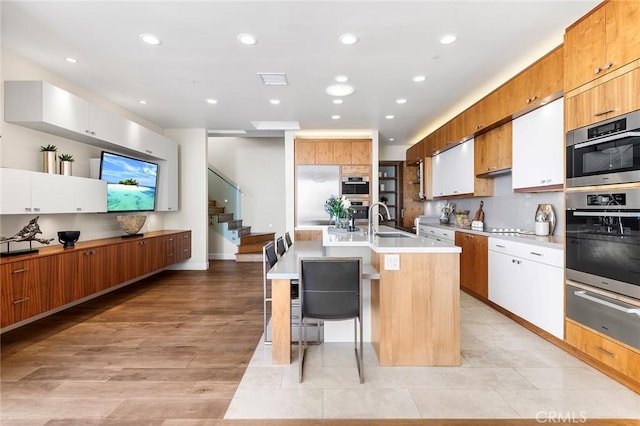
(68, 238)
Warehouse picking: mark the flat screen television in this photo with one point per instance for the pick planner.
(131, 183)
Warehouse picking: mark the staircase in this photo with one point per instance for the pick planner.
(249, 244)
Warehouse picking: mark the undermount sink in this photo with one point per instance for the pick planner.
(392, 235)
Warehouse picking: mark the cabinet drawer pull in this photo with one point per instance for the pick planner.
(170, 239)
(604, 111)
(27, 209)
(605, 352)
(17, 271)
(24, 299)
(185, 250)
(516, 261)
(584, 295)
(36, 209)
(500, 246)
(536, 254)
(607, 65)
(532, 99)
(596, 70)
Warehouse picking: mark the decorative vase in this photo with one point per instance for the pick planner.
(131, 223)
(65, 168)
(49, 162)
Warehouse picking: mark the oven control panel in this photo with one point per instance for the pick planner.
(606, 199)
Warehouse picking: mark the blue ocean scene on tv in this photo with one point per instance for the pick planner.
(131, 183)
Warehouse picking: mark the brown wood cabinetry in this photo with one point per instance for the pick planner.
(25, 290)
(416, 152)
(333, 151)
(601, 42)
(474, 269)
(37, 283)
(607, 100)
(537, 82)
(312, 151)
(354, 151)
(412, 204)
(601, 348)
(492, 151)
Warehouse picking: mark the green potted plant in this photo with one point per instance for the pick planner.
(49, 162)
(65, 164)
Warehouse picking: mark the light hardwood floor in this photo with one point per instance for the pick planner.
(169, 350)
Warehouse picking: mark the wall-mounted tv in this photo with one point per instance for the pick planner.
(131, 183)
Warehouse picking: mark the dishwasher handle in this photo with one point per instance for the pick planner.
(584, 295)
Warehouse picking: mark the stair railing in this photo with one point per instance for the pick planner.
(227, 194)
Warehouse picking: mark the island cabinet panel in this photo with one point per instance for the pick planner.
(416, 310)
(474, 263)
(25, 290)
(603, 41)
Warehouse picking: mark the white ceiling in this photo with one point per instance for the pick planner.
(201, 58)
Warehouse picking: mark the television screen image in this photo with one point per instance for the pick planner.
(131, 183)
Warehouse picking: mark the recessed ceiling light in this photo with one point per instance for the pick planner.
(401, 101)
(275, 101)
(335, 117)
(71, 60)
(142, 101)
(391, 139)
(448, 38)
(340, 90)
(419, 78)
(247, 39)
(212, 101)
(341, 78)
(150, 39)
(349, 39)
(337, 101)
(389, 117)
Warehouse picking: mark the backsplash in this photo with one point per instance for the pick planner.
(506, 209)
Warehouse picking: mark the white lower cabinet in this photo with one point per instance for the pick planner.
(528, 280)
(27, 192)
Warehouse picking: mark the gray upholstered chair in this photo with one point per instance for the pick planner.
(287, 239)
(280, 247)
(331, 290)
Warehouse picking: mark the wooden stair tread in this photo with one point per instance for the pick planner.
(248, 257)
(257, 237)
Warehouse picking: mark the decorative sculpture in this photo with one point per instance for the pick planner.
(27, 233)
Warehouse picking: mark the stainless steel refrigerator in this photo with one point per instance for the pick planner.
(314, 185)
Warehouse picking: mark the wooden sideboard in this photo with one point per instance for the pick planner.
(45, 282)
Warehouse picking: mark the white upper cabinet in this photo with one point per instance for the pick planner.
(106, 126)
(26, 192)
(453, 172)
(538, 147)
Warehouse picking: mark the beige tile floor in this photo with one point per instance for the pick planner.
(507, 372)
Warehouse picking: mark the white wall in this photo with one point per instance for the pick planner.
(257, 165)
(393, 152)
(192, 213)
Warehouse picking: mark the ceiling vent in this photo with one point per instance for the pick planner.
(274, 78)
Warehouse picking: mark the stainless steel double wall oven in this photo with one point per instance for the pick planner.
(603, 228)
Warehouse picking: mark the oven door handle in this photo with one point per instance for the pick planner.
(607, 214)
(584, 295)
(606, 139)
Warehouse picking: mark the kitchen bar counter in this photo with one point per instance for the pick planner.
(411, 243)
(413, 311)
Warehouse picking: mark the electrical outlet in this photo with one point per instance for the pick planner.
(391, 262)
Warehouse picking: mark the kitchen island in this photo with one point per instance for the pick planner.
(414, 312)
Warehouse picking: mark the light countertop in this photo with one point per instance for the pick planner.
(333, 237)
(551, 241)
